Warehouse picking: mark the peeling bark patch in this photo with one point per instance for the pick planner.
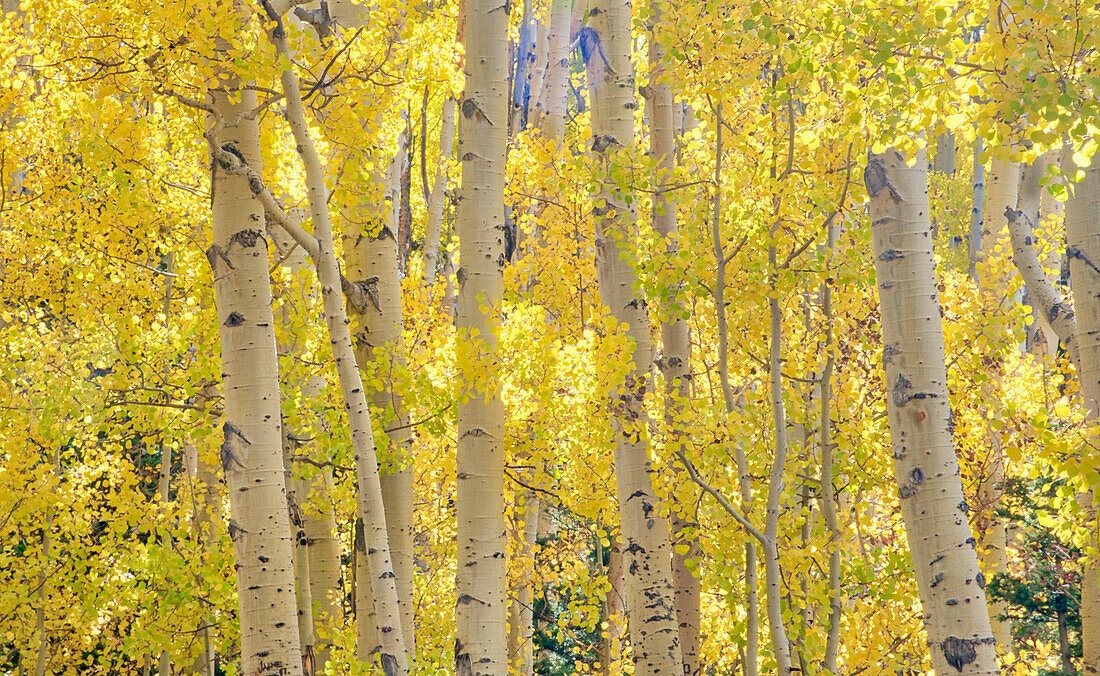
(1059, 308)
(389, 664)
(959, 652)
(234, 319)
(214, 253)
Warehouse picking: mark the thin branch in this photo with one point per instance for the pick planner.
(721, 500)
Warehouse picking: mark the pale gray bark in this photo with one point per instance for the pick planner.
(951, 585)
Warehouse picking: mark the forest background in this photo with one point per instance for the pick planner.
(566, 336)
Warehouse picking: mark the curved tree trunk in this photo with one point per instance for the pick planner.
(481, 614)
(391, 645)
(951, 585)
(752, 603)
(651, 612)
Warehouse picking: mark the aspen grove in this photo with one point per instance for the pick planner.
(517, 337)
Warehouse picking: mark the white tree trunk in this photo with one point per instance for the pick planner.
(391, 649)
(481, 642)
(651, 612)
(373, 263)
(1083, 251)
(251, 453)
(951, 585)
(675, 363)
(438, 197)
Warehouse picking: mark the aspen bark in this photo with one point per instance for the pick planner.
(651, 612)
(438, 198)
(675, 364)
(1001, 193)
(203, 486)
(772, 573)
(325, 567)
(1022, 234)
(521, 70)
(251, 453)
(554, 95)
(828, 487)
(373, 263)
(521, 654)
(951, 585)
(391, 649)
(481, 613)
(978, 198)
(945, 154)
(1083, 251)
(294, 260)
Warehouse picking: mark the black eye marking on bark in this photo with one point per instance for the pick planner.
(471, 110)
(234, 319)
(228, 457)
(959, 652)
(876, 181)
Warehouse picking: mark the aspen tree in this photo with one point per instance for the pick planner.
(251, 451)
(651, 611)
(1001, 193)
(438, 197)
(550, 111)
(744, 481)
(675, 363)
(951, 585)
(391, 649)
(204, 495)
(373, 260)
(294, 259)
(828, 486)
(203, 487)
(1081, 234)
(945, 153)
(373, 250)
(481, 613)
(1083, 250)
(547, 98)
